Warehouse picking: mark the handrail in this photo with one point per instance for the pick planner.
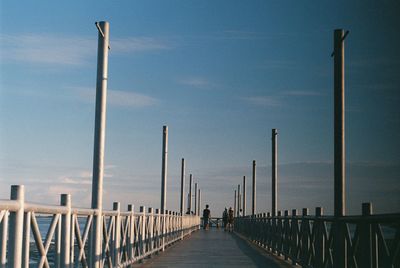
(128, 236)
(309, 240)
(10, 205)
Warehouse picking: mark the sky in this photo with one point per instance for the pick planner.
(221, 75)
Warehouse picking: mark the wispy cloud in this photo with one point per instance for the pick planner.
(242, 35)
(196, 82)
(374, 62)
(47, 49)
(301, 93)
(264, 101)
(118, 97)
(68, 50)
(272, 64)
(279, 98)
(138, 44)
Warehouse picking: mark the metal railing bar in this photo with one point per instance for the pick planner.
(10, 205)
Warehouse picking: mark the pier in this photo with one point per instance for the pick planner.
(159, 237)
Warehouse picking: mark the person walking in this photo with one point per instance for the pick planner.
(206, 217)
(225, 219)
(230, 219)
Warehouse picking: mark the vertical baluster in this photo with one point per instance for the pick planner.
(366, 248)
(269, 232)
(27, 236)
(286, 242)
(151, 228)
(158, 228)
(117, 234)
(319, 239)
(3, 239)
(294, 235)
(74, 217)
(279, 234)
(305, 243)
(58, 242)
(131, 232)
(142, 230)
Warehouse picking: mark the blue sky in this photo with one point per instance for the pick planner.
(220, 74)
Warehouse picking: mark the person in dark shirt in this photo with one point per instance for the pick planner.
(225, 219)
(206, 217)
(230, 220)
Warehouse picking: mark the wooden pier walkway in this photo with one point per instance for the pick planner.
(213, 248)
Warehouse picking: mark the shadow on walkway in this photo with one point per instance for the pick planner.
(212, 248)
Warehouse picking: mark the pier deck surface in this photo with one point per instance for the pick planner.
(213, 248)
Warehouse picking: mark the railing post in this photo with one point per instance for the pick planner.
(65, 231)
(244, 196)
(339, 248)
(368, 257)
(99, 142)
(305, 234)
(158, 228)
(131, 241)
(117, 234)
(164, 169)
(253, 196)
(163, 229)
(319, 243)
(16, 228)
(142, 226)
(286, 227)
(295, 236)
(274, 172)
(195, 198)
(151, 227)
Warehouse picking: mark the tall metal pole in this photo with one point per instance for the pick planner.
(190, 194)
(274, 171)
(238, 200)
(182, 187)
(253, 196)
(198, 204)
(164, 170)
(99, 140)
(339, 258)
(244, 196)
(195, 198)
(339, 149)
(234, 205)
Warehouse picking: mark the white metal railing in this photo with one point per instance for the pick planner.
(127, 236)
(370, 240)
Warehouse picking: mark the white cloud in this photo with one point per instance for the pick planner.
(264, 101)
(301, 93)
(137, 44)
(118, 98)
(68, 50)
(47, 49)
(196, 82)
(280, 98)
